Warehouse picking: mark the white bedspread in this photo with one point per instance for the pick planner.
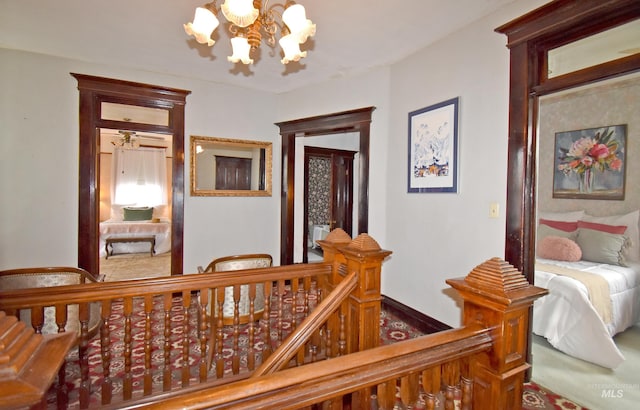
(566, 318)
(118, 229)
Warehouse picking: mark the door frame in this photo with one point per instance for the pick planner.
(358, 120)
(93, 91)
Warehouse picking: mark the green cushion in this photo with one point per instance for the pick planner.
(138, 214)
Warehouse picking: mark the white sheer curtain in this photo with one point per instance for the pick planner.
(139, 177)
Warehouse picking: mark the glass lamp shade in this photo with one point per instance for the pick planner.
(296, 19)
(241, 49)
(203, 25)
(240, 12)
(291, 48)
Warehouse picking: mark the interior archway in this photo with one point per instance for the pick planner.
(94, 91)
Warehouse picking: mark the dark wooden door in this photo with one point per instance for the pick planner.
(328, 191)
(233, 173)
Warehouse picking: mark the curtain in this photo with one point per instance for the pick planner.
(139, 177)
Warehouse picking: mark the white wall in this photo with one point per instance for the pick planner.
(437, 236)
(39, 167)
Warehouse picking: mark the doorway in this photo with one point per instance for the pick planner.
(357, 121)
(94, 94)
(328, 196)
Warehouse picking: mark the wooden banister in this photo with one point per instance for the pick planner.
(298, 387)
(301, 335)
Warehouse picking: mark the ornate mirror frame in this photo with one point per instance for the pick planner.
(93, 92)
(264, 169)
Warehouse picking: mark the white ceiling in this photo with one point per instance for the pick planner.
(149, 35)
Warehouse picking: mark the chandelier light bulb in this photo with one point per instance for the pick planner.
(240, 12)
(204, 22)
(296, 19)
(241, 49)
(291, 48)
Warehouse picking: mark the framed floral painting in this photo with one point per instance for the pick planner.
(590, 163)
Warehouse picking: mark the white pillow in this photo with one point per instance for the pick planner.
(571, 216)
(630, 220)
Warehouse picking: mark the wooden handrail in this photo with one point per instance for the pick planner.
(292, 344)
(92, 292)
(302, 386)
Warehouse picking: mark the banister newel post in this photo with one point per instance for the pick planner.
(499, 297)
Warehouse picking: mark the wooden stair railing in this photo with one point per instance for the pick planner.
(414, 364)
(479, 366)
(301, 335)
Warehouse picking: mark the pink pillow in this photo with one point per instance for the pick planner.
(561, 225)
(559, 249)
(615, 229)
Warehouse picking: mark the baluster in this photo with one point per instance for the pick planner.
(449, 397)
(409, 386)
(467, 394)
(386, 393)
(204, 333)
(314, 353)
(37, 318)
(328, 343)
(186, 345)
(83, 353)
(61, 317)
(251, 359)
(281, 290)
(219, 334)
(62, 392)
(105, 351)
(166, 364)
(235, 359)
(342, 339)
(295, 288)
(430, 401)
(148, 308)
(266, 320)
(128, 380)
(431, 380)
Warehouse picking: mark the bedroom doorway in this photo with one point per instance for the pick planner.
(328, 196)
(95, 94)
(142, 161)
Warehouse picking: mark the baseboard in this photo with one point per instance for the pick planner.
(419, 320)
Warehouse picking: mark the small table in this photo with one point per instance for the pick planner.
(131, 239)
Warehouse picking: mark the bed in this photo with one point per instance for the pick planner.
(127, 229)
(593, 278)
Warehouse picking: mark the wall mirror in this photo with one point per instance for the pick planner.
(230, 167)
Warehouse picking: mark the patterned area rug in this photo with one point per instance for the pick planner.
(535, 397)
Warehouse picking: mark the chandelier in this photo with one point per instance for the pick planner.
(249, 21)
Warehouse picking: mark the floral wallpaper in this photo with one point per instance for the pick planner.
(610, 103)
(319, 186)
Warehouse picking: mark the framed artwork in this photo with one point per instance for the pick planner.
(590, 163)
(433, 148)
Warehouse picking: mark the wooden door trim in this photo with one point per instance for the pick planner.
(358, 120)
(93, 91)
